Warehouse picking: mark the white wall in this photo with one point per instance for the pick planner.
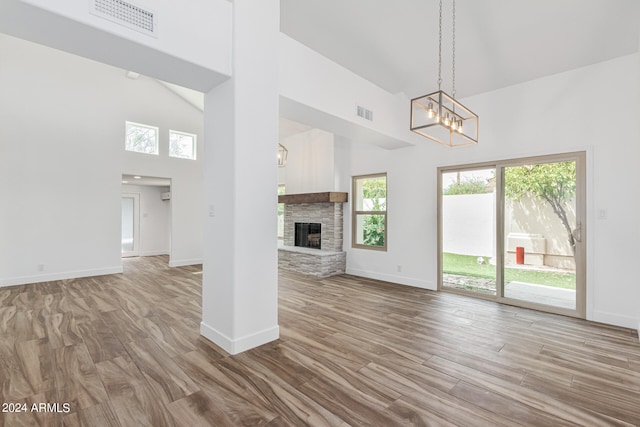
(175, 55)
(560, 113)
(155, 219)
(240, 269)
(314, 90)
(161, 107)
(62, 158)
(411, 215)
(310, 162)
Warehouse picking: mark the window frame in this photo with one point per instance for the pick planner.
(141, 125)
(195, 144)
(356, 213)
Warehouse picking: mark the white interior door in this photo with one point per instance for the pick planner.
(130, 234)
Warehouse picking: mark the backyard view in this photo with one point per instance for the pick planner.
(539, 242)
(468, 268)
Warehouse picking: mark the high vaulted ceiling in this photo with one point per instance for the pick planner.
(499, 43)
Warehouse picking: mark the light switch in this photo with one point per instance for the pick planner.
(212, 211)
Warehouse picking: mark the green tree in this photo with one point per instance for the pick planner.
(469, 186)
(555, 183)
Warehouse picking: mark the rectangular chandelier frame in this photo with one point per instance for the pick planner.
(439, 117)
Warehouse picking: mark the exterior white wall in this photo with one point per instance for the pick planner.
(155, 219)
(469, 224)
(549, 115)
(62, 121)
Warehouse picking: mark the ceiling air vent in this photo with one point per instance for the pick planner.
(364, 113)
(127, 14)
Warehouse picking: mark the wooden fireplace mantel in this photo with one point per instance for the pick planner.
(327, 197)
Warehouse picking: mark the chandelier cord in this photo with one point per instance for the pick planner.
(440, 49)
(453, 78)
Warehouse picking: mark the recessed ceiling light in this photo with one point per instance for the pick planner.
(132, 75)
(137, 177)
(125, 182)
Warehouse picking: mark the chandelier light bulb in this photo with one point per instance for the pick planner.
(460, 126)
(430, 111)
(446, 120)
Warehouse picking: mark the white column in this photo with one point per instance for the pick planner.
(240, 288)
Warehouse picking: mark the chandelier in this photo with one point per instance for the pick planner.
(439, 116)
(282, 156)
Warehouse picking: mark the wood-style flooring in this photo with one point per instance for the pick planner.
(124, 350)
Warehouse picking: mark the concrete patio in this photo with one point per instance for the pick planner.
(540, 294)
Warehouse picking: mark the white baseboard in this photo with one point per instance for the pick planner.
(24, 280)
(615, 319)
(154, 253)
(184, 262)
(402, 280)
(235, 346)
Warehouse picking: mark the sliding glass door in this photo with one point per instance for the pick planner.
(468, 208)
(514, 231)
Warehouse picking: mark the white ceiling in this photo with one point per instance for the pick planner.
(394, 44)
(498, 42)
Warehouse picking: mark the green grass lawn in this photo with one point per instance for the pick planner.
(466, 265)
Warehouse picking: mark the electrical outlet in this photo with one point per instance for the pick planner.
(40, 267)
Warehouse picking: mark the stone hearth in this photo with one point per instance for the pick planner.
(323, 208)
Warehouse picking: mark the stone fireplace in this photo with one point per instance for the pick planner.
(312, 242)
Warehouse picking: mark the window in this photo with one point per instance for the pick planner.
(369, 214)
(182, 145)
(141, 138)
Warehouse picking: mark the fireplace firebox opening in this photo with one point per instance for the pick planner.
(308, 234)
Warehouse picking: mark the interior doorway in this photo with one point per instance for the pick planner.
(514, 231)
(146, 216)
